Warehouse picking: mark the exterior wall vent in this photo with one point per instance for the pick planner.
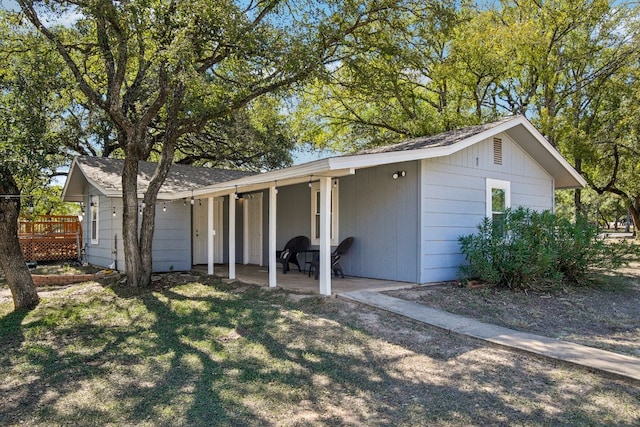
(497, 151)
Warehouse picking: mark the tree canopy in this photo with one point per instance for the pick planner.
(562, 64)
(166, 72)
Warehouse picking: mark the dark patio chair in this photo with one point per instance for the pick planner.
(289, 255)
(340, 251)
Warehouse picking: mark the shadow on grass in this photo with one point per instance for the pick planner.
(208, 355)
(11, 328)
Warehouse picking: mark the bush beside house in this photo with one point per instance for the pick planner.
(530, 250)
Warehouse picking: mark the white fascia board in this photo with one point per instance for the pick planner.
(76, 173)
(342, 165)
(283, 176)
(345, 165)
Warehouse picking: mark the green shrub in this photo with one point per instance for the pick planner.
(534, 250)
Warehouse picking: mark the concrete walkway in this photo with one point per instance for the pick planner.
(591, 358)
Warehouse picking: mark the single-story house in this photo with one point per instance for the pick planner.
(405, 204)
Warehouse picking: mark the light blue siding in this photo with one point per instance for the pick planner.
(172, 238)
(101, 253)
(453, 199)
(294, 213)
(382, 215)
(171, 241)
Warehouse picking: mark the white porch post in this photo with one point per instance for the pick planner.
(273, 269)
(210, 232)
(232, 236)
(325, 236)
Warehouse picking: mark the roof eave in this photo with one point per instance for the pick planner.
(565, 175)
(76, 172)
(290, 175)
(65, 189)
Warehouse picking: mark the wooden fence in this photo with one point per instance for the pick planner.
(50, 238)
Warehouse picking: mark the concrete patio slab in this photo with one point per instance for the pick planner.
(301, 282)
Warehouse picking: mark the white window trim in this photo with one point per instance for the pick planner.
(315, 188)
(501, 185)
(94, 207)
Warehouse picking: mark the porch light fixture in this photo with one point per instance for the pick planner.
(235, 195)
(310, 181)
(276, 189)
(192, 199)
(164, 207)
(184, 201)
(335, 182)
(398, 174)
(113, 211)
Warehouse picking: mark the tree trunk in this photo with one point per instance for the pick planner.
(577, 195)
(15, 269)
(132, 260)
(138, 242)
(577, 203)
(635, 215)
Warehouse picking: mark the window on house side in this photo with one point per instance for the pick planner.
(498, 200)
(94, 220)
(315, 213)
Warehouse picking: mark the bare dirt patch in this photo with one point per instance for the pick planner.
(605, 316)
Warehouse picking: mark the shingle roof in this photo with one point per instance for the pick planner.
(107, 174)
(440, 140)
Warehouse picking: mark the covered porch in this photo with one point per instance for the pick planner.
(296, 281)
(260, 241)
(247, 220)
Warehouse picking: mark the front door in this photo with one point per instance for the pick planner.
(199, 233)
(218, 227)
(200, 224)
(253, 229)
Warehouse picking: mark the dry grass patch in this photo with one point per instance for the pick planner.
(205, 353)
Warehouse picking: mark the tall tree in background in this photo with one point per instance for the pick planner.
(430, 72)
(162, 70)
(564, 54)
(611, 155)
(256, 137)
(394, 82)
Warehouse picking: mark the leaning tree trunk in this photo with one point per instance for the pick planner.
(11, 258)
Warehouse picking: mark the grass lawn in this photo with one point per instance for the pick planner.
(207, 353)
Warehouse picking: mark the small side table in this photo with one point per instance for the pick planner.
(308, 259)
